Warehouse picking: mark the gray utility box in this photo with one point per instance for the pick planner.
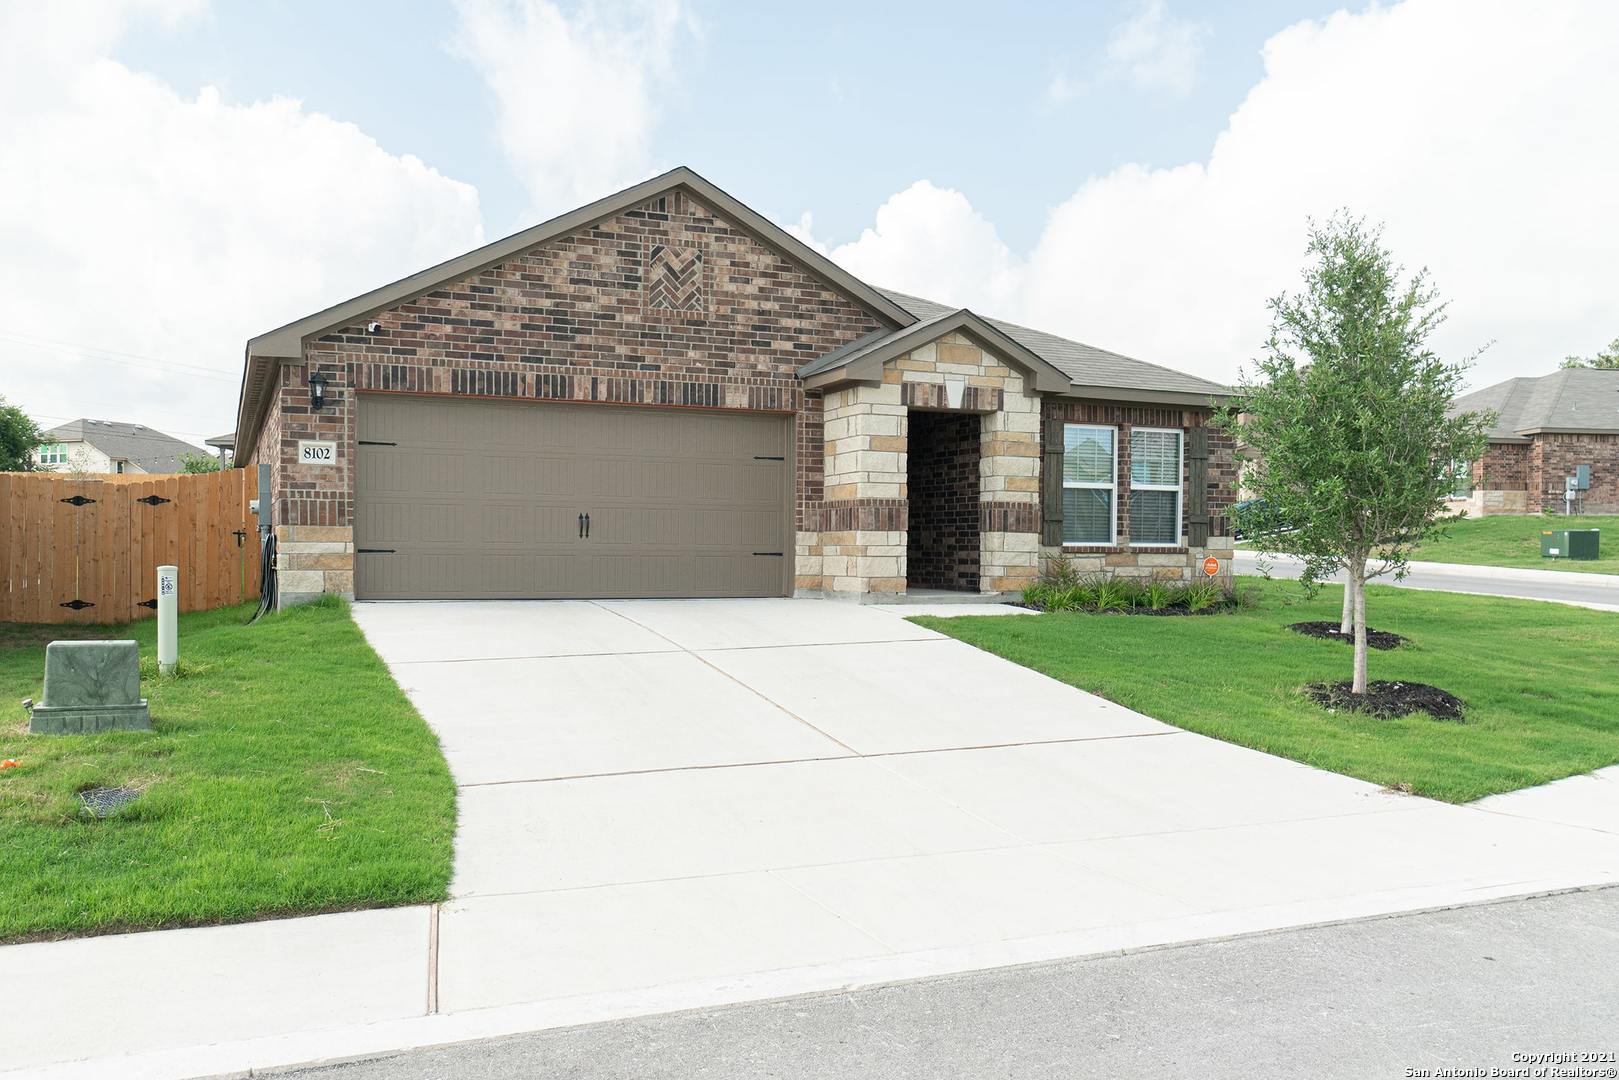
(1570, 543)
(91, 686)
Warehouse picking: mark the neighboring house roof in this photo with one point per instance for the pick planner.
(1092, 372)
(149, 449)
(1571, 400)
(226, 441)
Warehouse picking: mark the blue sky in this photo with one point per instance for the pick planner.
(827, 107)
(177, 176)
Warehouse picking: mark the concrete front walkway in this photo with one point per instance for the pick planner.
(673, 804)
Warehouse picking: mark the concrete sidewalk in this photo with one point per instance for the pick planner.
(678, 804)
(1465, 988)
(1597, 591)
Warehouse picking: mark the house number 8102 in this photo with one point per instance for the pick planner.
(316, 453)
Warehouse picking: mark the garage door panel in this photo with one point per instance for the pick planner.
(482, 499)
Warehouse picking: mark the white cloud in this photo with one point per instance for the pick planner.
(930, 241)
(1479, 132)
(1061, 88)
(173, 227)
(577, 95)
(1154, 50)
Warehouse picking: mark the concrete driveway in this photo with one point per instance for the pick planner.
(675, 804)
(684, 801)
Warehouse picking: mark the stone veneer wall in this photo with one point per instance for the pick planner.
(942, 536)
(666, 304)
(1180, 563)
(857, 545)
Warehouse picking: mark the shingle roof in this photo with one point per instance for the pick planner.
(1569, 399)
(151, 450)
(1085, 365)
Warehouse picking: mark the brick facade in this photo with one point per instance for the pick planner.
(669, 304)
(1528, 478)
(942, 534)
(1182, 562)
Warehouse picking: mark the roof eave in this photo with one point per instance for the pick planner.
(1526, 433)
(866, 366)
(1206, 399)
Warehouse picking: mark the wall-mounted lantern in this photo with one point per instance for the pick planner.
(317, 392)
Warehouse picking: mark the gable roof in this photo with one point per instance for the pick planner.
(152, 450)
(1091, 372)
(286, 342)
(1571, 400)
(863, 359)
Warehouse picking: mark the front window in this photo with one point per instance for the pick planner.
(1461, 479)
(1155, 486)
(53, 454)
(1089, 472)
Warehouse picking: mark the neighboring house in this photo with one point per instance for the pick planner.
(108, 446)
(225, 446)
(1546, 428)
(664, 394)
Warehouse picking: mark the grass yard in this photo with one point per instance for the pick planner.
(1514, 540)
(286, 774)
(1538, 680)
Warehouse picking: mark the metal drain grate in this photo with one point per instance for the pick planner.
(105, 801)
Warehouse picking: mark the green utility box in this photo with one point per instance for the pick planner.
(1570, 543)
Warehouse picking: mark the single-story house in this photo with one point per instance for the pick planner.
(1545, 429)
(664, 394)
(109, 446)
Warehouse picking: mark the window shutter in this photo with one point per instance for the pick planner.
(1197, 483)
(1051, 485)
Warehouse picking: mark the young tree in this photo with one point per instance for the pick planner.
(1348, 415)
(19, 438)
(198, 463)
(1605, 358)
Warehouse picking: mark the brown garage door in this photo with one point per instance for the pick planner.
(485, 500)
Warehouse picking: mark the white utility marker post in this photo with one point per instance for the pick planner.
(168, 633)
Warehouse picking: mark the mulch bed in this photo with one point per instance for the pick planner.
(1377, 639)
(1386, 699)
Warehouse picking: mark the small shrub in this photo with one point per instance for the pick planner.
(1201, 595)
(1156, 596)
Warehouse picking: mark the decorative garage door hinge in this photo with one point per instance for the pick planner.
(78, 500)
(77, 605)
(768, 457)
(375, 551)
(376, 442)
(153, 500)
(777, 554)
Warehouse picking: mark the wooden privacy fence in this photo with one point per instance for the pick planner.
(86, 549)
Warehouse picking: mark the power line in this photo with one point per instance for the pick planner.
(90, 352)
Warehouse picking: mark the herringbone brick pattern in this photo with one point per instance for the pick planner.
(674, 279)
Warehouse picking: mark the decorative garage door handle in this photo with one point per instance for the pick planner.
(581, 526)
(587, 526)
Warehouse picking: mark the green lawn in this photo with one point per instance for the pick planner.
(1514, 540)
(1538, 680)
(287, 774)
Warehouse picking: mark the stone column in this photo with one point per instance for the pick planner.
(1009, 491)
(863, 518)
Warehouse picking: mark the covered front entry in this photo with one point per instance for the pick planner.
(467, 499)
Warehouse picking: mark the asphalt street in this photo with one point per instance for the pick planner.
(1586, 590)
(1468, 988)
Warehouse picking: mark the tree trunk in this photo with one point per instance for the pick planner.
(1358, 576)
(1347, 623)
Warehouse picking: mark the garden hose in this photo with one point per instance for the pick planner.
(266, 577)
